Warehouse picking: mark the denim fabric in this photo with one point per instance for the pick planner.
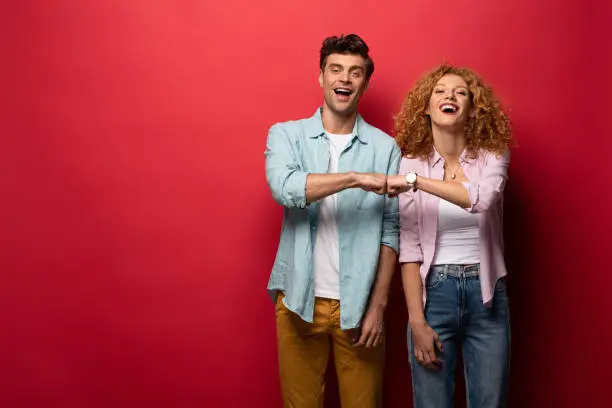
(455, 311)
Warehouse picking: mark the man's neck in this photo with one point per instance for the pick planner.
(449, 142)
(337, 124)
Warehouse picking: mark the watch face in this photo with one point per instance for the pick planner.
(411, 177)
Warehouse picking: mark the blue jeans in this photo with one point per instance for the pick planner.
(454, 310)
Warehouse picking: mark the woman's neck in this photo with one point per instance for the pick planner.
(449, 143)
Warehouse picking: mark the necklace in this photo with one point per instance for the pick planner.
(453, 172)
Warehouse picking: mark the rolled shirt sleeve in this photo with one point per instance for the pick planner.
(488, 189)
(390, 228)
(284, 173)
(410, 243)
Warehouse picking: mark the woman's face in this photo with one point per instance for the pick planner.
(450, 103)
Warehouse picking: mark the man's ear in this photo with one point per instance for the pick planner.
(321, 79)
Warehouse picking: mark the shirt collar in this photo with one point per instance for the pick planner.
(464, 158)
(314, 127)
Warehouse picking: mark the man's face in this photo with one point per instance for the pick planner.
(343, 80)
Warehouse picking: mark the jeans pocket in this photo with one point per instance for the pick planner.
(500, 286)
(435, 279)
(500, 299)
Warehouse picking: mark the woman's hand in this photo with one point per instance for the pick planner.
(425, 341)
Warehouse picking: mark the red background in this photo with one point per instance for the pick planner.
(138, 231)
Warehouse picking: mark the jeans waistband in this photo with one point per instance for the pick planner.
(458, 271)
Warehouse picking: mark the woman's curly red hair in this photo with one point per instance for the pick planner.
(488, 128)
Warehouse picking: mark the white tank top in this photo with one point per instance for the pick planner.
(457, 239)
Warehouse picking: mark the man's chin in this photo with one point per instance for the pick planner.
(344, 110)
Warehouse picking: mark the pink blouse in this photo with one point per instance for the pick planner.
(487, 175)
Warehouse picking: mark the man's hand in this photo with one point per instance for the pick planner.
(397, 185)
(372, 328)
(425, 341)
(376, 182)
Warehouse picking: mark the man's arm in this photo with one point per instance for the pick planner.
(387, 262)
(372, 327)
(293, 187)
(319, 186)
(389, 241)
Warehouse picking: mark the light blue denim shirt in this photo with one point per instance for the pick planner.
(365, 219)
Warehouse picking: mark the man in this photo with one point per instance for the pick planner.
(339, 239)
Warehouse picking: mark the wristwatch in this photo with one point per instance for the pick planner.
(411, 178)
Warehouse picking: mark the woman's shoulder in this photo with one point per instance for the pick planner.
(490, 157)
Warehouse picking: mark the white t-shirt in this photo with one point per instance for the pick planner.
(458, 239)
(326, 254)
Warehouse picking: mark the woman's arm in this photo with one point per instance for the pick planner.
(473, 196)
(452, 191)
(424, 338)
(413, 292)
(411, 258)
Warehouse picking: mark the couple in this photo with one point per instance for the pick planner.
(349, 215)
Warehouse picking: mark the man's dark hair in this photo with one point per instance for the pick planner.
(346, 44)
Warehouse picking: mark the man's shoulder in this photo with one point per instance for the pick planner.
(292, 126)
(378, 136)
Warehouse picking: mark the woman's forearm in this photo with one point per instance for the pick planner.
(452, 191)
(413, 291)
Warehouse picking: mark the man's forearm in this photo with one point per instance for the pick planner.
(386, 268)
(319, 186)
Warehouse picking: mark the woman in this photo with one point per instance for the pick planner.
(455, 141)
